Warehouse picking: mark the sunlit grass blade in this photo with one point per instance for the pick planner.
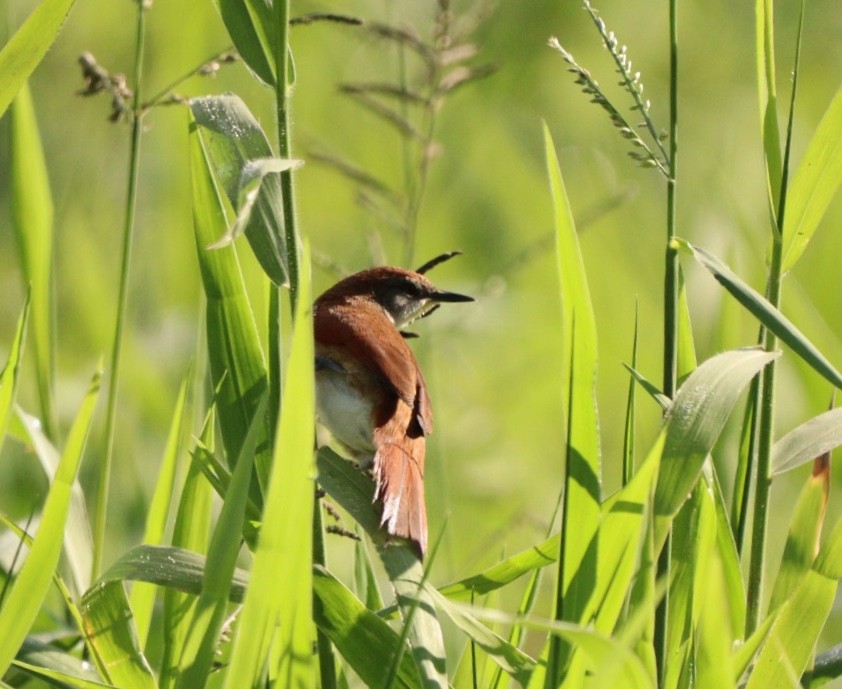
(512, 660)
(249, 23)
(695, 420)
(23, 602)
(142, 598)
(282, 576)
(609, 662)
(248, 172)
(820, 434)
(10, 374)
(803, 539)
(59, 678)
(582, 477)
(28, 45)
(814, 184)
(234, 352)
(365, 581)
(767, 96)
(631, 409)
(793, 635)
(505, 571)
(112, 638)
(78, 539)
(767, 314)
(32, 216)
(211, 607)
(366, 641)
(192, 532)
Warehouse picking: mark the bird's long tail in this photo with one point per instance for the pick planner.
(399, 474)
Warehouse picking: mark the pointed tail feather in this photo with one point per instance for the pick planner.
(399, 474)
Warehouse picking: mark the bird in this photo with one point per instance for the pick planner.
(370, 391)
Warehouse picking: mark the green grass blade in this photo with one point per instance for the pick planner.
(32, 218)
(192, 532)
(767, 96)
(694, 422)
(10, 374)
(282, 576)
(814, 184)
(631, 409)
(365, 580)
(512, 660)
(767, 314)
(210, 609)
(235, 355)
(793, 635)
(820, 434)
(111, 636)
(48, 660)
(803, 539)
(78, 538)
(142, 598)
(30, 588)
(367, 642)
(505, 572)
(583, 486)
(26, 48)
(249, 25)
(243, 162)
(59, 678)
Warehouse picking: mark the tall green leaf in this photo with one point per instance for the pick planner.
(694, 422)
(814, 184)
(26, 48)
(32, 216)
(9, 374)
(243, 163)
(236, 358)
(768, 99)
(249, 23)
(820, 434)
(23, 603)
(278, 603)
(582, 483)
(767, 314)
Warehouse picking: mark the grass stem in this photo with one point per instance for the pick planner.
(122, 299)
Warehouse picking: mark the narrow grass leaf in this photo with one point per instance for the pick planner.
(631, 409)
(794, 633)
(650, 388)
(32, 219)
(512, 660)
(767, 314)
(142, 598)
(803, 539)
(282, 576)
(27, 47)
(78, 538)
(582, 476)
(210, 609)
(249, 24)
(10, 374)
(694, 422)
(820, 434)
(505, 572)
(191, 532)
(768, 100)
(23, 602)
(243, 162)
(829, 561)
(366, 642)
(743, 656)
(814, 184)
(235, 356)
(40, 656)
(59, 678)
(365, 580)
(111, 636)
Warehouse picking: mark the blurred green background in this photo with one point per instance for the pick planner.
(494, 461)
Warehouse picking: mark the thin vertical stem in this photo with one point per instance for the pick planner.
(671, 288)
(122, 297)
(767, 400)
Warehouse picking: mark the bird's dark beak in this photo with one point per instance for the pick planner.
(450, 297)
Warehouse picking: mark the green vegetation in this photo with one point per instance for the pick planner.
(658, 524)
